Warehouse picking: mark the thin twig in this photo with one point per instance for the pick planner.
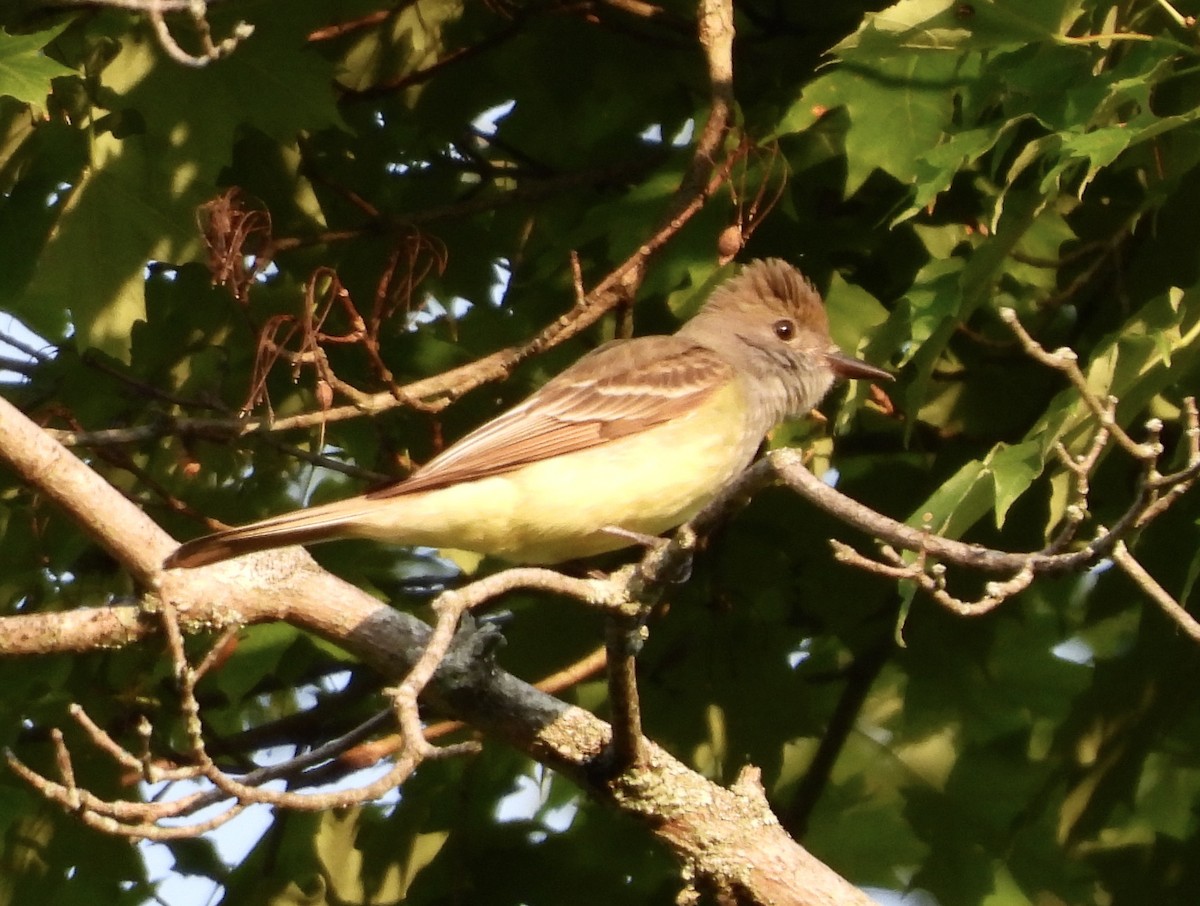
(1176, 16)
(623, 639)
(1159, 595)
(1066, 361)
(369, 753)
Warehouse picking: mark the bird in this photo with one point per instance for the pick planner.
(630, 441)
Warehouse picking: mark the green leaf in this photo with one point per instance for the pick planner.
(1013, 468)
(934, 171)
(25, 70)
(93, 265)
(912, 26)
(898, 107)
(853, 314)
(257, 655)
(959, 503)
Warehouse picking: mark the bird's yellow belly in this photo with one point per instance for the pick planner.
(559, 509)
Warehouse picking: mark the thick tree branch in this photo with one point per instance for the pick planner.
(118, 526)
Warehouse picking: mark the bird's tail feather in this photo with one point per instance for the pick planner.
(322, 523)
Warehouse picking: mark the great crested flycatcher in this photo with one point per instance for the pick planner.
(637, 436)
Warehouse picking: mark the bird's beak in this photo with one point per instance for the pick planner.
(845, 366)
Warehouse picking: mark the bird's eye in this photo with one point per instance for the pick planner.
(785, 329)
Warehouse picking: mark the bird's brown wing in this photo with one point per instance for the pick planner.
(621, 388)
